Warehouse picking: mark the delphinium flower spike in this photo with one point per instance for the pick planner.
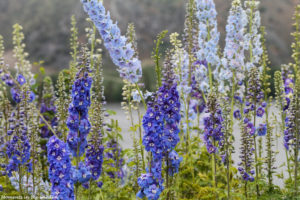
(161, 133)
(267, 128)
(292, 132)
(253, 37)
(120, 50)
(213, 130)
(151, 182)
(231, 75)
(18, 146)
(282, 104)
(78, 120)
(60, 169)
(234, 51)
(208, 37)
(95, 148)
(246, 156)
(255, 107)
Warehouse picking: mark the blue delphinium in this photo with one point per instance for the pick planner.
(81, 175)
(291, 123)
(150, 188)
(121, 51)
(153, 125)
(213, 128)
(237, 114)
(21, 79)
(168, 100)
(60, 169)
(161, 131)
(78, 122)
(288, 81)
(18, 154)
(174, 161)
(254, 100)
(94, 157)
(16, 91)
(6, 78)
(262, 130)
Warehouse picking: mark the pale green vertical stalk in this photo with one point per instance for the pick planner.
(140, 137)
(228, 154)
(296, 57)
(156, 55)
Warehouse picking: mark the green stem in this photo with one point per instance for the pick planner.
(167, 177)
(140, 93)
(140, 135)
(296, 153)
(256, 156)
(230, 132)
(77, 164)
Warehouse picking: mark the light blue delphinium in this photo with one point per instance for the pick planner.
(253, 37)
(234, 51)
(181, 61)
(120, 50)
(208, 33)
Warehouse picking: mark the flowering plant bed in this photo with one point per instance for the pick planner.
(211, 129)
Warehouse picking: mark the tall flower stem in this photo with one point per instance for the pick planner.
(190, 47)
(296, 152)
(77, 162)
(19, 166)
(214, 168)
(167, 176)
(141, 137)
(142, 98)
(228, 153)
(255, 149)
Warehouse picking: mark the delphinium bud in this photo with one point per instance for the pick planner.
(23, 66)
(191, 29)
(246, 156)
(121, 52)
